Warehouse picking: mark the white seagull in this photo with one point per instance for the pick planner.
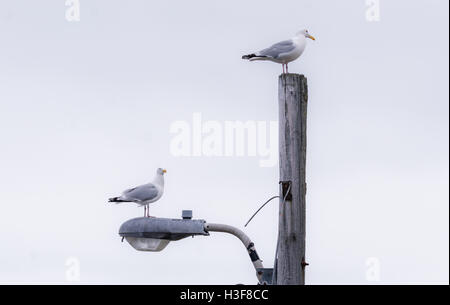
(283, 52)
(144, 194)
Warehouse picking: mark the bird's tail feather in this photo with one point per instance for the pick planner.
(253, 57)
(116, 200)
(248, 56)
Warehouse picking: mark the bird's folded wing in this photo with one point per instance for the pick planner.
(141, 193)
(278, 49)
(129, 190)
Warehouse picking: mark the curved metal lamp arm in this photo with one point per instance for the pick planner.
(257, 263)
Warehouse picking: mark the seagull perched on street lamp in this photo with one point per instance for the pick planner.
(144, 194)
(283, 52)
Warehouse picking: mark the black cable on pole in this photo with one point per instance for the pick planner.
(284, 200)
(260, 209)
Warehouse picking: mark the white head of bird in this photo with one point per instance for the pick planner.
(161, 171)
(305, 33)
(159, 179)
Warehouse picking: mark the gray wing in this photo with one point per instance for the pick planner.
(277, 49)
(141, 193)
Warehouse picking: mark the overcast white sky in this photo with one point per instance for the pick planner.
(86, 108)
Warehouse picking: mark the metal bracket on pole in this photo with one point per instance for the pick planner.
(286, 190)
(266, 276)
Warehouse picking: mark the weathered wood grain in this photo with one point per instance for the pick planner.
(293, 101)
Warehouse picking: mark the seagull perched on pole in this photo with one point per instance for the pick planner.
(283, 52)
(144, 194)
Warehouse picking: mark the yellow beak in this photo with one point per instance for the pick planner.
(164, 171)
(312, 37)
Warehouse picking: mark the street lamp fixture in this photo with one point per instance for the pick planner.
(154, 234)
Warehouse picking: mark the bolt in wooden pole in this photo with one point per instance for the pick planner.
(293, 100)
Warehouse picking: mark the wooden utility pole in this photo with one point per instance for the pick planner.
(293, 100)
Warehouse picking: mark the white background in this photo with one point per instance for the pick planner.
(85, 111)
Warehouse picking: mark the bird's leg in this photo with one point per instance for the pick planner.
(148, 212)
(287, 69)
(283, 68)
(145, 210)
